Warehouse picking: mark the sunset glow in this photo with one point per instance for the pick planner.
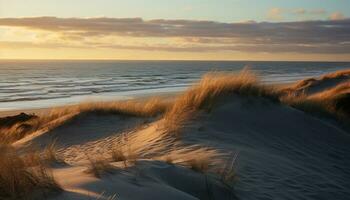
(278, 32)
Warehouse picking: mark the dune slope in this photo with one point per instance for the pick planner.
(283, 153)
(227, 137)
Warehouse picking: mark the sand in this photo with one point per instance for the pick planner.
(283, 153)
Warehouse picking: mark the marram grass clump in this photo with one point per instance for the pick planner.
(24, 176)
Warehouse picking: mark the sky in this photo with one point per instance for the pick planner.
(175, 30)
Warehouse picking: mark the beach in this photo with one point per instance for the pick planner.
(175, 100)
(41, 84)
(229, 136)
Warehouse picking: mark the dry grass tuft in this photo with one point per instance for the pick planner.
(15, 132)
(206, 93)
(51, 120)
(50, 153)
(156, 144)
(168, 159)
(197, 158)
(337, 74)
(341, 88)
(24, 177)
(228, 174)
(99, 166)
(118, 155)
(303, 85)
(199, 164)
(126, 149)
(331, 102)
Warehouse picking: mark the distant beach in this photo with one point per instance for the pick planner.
(42, 84)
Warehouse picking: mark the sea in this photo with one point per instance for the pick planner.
(30, 84)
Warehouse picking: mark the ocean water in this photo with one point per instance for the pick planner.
(38, 84)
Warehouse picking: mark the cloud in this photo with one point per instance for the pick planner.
(337, 16)
(321, 36)
(275, 14)
(302, 11)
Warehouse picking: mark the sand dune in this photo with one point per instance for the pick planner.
(284, 153)
(227, 137)
(326, 96)
(319, 84)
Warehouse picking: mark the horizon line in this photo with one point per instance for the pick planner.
(198, 60)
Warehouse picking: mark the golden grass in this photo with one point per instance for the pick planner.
(50, 154)
(199, 164)
(330, 102)
(198, 158)
(15, 132)
(118, 155)
(58, 116)
(53, 119)
(334, 91)
(205, 94)
(24, 177)
(168, 159)
(148, 108)
(306, 83)
(152, 142)
(99, 166)
(337, 74)
(20, 177)
(202, 96)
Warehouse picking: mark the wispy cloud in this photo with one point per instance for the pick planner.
(337, 16)
(322, 36)
(275, 14)
(302, 11)
(278, 14)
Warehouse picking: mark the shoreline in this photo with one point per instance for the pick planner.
(191, 137)
(40, 111)
(138, 97)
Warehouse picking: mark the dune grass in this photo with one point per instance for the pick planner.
(336, 74)
(199, 164)
(58, 116)
(303, 85)
(99, 166)
(148, 108)
(333, 102)
(152, 142)
(118, 155)
(24, 177)
(50, 154)
(205, 94)
(202, 96)
(228, 173)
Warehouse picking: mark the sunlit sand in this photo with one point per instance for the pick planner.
(223, 134)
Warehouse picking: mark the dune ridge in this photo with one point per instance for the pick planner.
(332, 100)
(212, 87)
(195, 146)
